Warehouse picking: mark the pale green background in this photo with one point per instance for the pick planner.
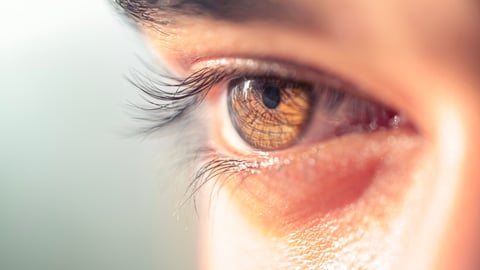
(75, 191)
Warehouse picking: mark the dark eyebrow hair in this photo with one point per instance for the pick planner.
(158, 13)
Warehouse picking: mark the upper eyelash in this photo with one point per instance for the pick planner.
(164, 106)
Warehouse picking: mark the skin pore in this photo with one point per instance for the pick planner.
(394, 198)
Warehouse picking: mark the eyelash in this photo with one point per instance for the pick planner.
(164, 108)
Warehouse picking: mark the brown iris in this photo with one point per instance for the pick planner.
(269, 113)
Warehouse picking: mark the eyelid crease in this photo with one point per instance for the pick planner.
(270, 68)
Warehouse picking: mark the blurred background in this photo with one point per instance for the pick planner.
(76, 192)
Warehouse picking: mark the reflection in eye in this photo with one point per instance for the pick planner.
(269, 113)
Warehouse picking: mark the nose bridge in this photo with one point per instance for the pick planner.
(459, 247)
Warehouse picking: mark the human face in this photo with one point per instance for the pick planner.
(388, 179)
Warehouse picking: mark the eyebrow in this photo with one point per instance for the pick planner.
(164, 12)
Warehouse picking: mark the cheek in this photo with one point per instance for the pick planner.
(334, 204)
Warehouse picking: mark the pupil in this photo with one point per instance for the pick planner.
(271, 97)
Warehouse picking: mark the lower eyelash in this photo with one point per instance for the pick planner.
(213, 166)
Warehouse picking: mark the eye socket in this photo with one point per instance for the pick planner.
(269, 113)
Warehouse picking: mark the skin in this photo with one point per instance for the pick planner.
(393, 199)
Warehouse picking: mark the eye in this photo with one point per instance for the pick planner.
(290, 144)
(274, 113)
